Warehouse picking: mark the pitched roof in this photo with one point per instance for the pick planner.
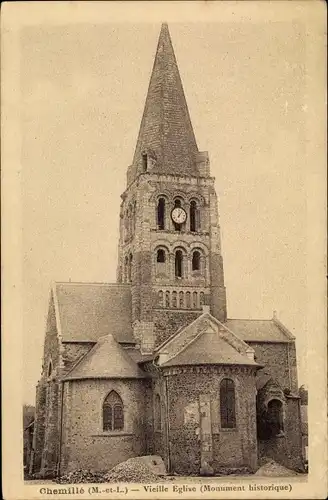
(205, 341)
(87, 311)
(210, 348)
(251, 330)
(107, 359)
(166, 127)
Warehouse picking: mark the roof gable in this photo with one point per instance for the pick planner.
(205, 341)
(107, 359)
(88, 311)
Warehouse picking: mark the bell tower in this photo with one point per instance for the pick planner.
(169, 246)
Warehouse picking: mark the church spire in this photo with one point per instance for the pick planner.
(166, 141)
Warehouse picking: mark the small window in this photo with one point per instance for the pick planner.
(202, 298)
(167, 299)
(188, 301)
(161, 214)
(227, 404)
(113, 415)
(181, 300)
(196, 261)
(49, 368)
(193, 215)
(144, 162)
(160, 298)
(160, 256)
(195, 300)
(178, 264)
(174, 299)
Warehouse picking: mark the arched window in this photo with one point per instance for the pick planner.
(130, 268)
(178, 264)
(50, 368)
(227, 404)
(195, 300)
(157, 414)
(160, 298)
(174, 299)
(167, 299)
(161, 214)
(126, 269)
(181, 300)
(195, 265)
(193, 216)
(160, 256)
(202, 298)
(113, 415)
(188, 301)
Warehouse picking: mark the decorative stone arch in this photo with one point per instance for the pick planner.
(199, 245)
(163, 193)
(179, 194)
(271, 410)
(197, 197)
(161, 242)
(184, 245)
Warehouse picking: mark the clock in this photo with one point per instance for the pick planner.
(178, 215)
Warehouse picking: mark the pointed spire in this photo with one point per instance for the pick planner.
(166, 141)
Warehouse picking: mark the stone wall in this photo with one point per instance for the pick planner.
(85, 444)
(287, 448)
(167, 323)
(230, 448)
(279, 360)
(72, 352)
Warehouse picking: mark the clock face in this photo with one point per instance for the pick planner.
(178, 215)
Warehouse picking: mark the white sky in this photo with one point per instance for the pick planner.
(83, 88)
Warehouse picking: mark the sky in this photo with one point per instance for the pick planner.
(83, 88)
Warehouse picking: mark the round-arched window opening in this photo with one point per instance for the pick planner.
(178, 264)
(161, 214)
(160, 256)
(195, 261)
(49, 368)
(275, 417)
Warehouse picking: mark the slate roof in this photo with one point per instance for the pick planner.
(88, 311)
(166, 127)
(107, 359)
(210, 348)
(254, 330)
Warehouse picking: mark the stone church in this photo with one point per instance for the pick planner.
(151, 364)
